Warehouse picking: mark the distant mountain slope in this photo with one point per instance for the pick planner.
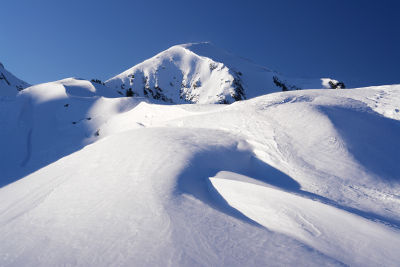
(203, 73)
(9, 84)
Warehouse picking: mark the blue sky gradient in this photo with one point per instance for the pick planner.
(354, 41)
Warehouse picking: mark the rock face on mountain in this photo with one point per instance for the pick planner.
(203, 73)
(9, 84)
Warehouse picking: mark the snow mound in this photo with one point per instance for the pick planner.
(69, 87)
(203, 73)
(48, 121)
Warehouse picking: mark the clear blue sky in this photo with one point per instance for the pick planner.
(354, 41)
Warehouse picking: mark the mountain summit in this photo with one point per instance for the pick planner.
(204, 73)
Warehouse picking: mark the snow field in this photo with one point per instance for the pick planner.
(281, 179)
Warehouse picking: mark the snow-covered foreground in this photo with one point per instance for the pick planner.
(305, 178)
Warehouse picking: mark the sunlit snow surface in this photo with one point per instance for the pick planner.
(305, 178)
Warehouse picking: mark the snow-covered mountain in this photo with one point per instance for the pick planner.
(301, 178)
(203, 73)
(9, 84)
(89, 177)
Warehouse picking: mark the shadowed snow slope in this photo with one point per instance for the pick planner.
(9, 84)
(305, 178)
(48, 121)
(203, 73)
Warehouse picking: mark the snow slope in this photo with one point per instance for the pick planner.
(203, 73)
(48, 121)
(9, 84)
(305, 178)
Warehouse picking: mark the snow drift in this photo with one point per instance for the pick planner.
(305, 178)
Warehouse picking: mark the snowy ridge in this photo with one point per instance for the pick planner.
(284, 178)
(9, 84)
(203, 73)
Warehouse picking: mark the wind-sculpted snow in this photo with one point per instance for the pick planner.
(126, 207)
(305, 178)
(203, 73)
(317, 224)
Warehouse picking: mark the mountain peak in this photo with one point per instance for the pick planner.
(198, 47)
(203, 73)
